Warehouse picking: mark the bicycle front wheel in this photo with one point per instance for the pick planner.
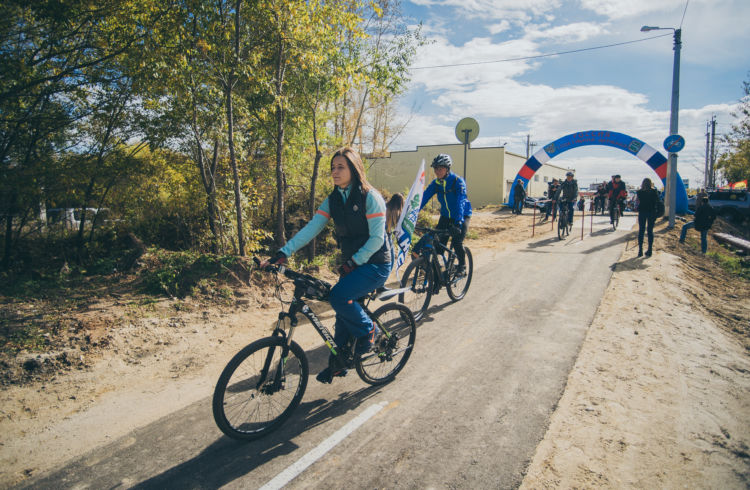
(458, 284)
(392, 349)
(615, 220)
(562, 226)
(418, 278)
(258, 390)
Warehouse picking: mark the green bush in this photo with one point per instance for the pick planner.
(181, 273)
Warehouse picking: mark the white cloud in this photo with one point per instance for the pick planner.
(495, 9)
(441, 52)
(504, 25)
(424, 130)
(617, 9)
(576, 32)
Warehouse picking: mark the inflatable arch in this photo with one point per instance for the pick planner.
(634, 146)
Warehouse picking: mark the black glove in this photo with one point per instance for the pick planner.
(278, 258)
(347, 267)
(455, 228)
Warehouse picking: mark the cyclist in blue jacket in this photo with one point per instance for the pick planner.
(455, 208)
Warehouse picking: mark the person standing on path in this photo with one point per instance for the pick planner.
(705, 215)
(647, 201)
(519, 194)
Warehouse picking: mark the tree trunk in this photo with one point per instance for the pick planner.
(9, 230)
(230, 133)
(359, 118)
(233, 164)
(280, 234)
(313, 183)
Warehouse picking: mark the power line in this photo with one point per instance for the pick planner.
(522, 58)
(683, 13)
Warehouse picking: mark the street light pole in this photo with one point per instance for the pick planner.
(672, 165)
(671, 188)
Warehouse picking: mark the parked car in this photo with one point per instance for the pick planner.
(70, 218)
(533, 202)
(730, 203)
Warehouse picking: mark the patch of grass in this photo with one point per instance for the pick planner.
(31, 338)
(733, 264)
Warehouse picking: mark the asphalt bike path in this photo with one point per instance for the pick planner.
(468, 410)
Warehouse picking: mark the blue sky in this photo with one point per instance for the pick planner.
(625, 88)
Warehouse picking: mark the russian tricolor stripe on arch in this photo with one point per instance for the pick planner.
(634, 146)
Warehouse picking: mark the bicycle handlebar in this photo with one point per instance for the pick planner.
(317, 288)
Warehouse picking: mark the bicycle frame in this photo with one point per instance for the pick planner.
(438, 249)
(298, 306)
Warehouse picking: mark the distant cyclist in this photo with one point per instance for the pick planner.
(569, 194)
(617, 192)
(601, 198)
(455, 208)
(553, 194)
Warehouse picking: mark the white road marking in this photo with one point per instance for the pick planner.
(318, 452)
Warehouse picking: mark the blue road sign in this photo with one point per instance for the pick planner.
(674, 143)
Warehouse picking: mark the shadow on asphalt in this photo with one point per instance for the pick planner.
(544, 243)
(220, 462)
(226, 460)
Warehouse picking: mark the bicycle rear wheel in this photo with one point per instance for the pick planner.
(392, 349)
(457, 286)
(562, 226)
(417, 277)
(257, 392)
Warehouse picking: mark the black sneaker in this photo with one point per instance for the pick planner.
(461, 270)
(326, 375)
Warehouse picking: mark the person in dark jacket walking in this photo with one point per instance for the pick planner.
(519, 194)
(647, 200)
(705, 215)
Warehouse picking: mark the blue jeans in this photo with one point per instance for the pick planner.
(704, 235)
(351, 319)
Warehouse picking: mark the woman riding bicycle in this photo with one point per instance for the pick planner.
(359, 217)
(455, 208)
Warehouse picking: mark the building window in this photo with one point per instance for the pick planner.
(546, 178)
(536, 178)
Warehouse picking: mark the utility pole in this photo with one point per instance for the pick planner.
(708, 145)
(529, 146)
(712, 175)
